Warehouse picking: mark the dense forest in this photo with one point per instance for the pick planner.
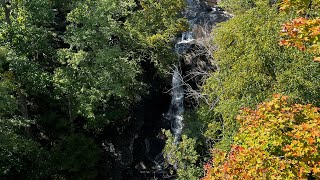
(159, 89)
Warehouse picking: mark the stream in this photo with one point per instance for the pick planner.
(138, 151)
(202, 16)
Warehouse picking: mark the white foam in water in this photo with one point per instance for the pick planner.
(200, 16)
(184, 43)
(187, 37)
(176, 109)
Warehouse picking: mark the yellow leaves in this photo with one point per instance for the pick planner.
(282, 165)
(302, 33)
(299, 6)
(278, 140)
(316, 59)
(316, 169)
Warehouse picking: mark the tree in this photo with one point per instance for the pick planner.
(157, 23)
(76, 157)
(107, 41)
(153, 28)
(252, 66)
(70, 70)
(278, 140)
(302, 32)
(182, 156)
(20, 156)
(96, 69)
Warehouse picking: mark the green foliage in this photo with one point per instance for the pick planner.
(253, 66)
(102, 60)
(76, 157)
(204, 126)
(278, 140)
(94, 23)
(8, 103)
(153, 29)
(88, 81)
(74, 66)
(182, 156)
(157, 23)
(29, 75)
(236, 6)
(20, 156)
(27, 33)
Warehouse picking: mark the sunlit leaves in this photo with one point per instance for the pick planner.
(182, 156)
(246, 54)
(247, 51)
(302, 32)
(87, 81)
(299, 6)
(277, 140)
(73, 66)
(157, 22)
(253, 66)
(94, 23)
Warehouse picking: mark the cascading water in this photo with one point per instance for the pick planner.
(201, 17)
(184, 43)
(144, 158)
(176, 109)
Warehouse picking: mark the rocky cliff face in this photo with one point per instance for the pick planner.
(197, 60)
(135, 152)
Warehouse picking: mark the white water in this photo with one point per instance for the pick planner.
(176, 107)
(184, 44)
(198, 15)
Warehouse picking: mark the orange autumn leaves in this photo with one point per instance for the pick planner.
(278, 140)
(301, 32)
(300, 6)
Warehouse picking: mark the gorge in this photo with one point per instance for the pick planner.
(147, 144)
(159, 89)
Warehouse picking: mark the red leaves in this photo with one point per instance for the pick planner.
(302, 33)
(278, 140)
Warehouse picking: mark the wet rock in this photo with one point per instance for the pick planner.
(212, 2)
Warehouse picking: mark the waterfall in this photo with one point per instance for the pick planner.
(201, 17)
(184, 44)
(176, 109)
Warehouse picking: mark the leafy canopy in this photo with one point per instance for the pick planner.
(302, 32)
(252, 66)
(278, 140)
